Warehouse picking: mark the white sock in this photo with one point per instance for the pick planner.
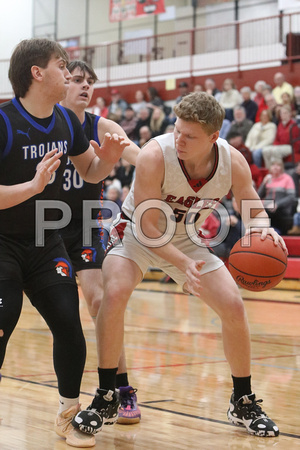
(66, 403)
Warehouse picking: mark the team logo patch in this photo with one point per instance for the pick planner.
(88, 254)
(63, 267)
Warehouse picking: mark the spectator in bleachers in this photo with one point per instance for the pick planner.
(279, 187)
(225, 128)
(281, 147)
(144, 135)
(281, 86)
(125, 172)
(236, 140)
(240, 123)
(129, 123)
(211, 88)
(143, 117)
(236, 230)
(125, 192)
(295, 230)
(286, 99)
(250, 106)
(116, 103)
(117, 116)
(258, 89)
(273, 107)
(229, 98)
(261, 134)
(295, 174)
(158, 122)
(183, 90)
(140, 101)
(259, 98)
(100, 108)
(297, 102)
(154, 99)
(198, 88)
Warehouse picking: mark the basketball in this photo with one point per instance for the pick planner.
(259, 266)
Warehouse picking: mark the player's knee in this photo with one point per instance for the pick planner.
(234, 312)
(95, 306)
(117, 298)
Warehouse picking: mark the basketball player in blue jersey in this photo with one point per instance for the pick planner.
(36, 138)
(87, 260)
(184, 173)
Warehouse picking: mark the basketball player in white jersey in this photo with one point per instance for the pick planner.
(185, 172)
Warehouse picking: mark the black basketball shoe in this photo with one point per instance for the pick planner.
(247, 412)
(102, 411)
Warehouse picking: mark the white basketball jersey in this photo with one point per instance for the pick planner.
(191, 201)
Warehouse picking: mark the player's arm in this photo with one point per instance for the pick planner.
(97, 162)
(109, 126)
(19, 193)
(148, 183)
(253, 216)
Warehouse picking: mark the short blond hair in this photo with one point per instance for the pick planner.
(203, 108)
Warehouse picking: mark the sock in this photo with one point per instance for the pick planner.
(107, 378)
(122, 379)
(241, 386)
(66, 403)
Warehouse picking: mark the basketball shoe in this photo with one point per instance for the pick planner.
(129, 411)
(247, 412)
(103, 410)
(64, 428)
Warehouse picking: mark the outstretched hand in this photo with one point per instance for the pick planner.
(111, 148)
(45, 169)
(193, 284)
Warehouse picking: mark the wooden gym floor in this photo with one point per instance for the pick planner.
(175, 359)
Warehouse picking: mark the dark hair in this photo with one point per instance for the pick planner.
(200, 107)
(28, 53)
(83, 67)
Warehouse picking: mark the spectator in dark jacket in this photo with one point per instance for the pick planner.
(250, 106)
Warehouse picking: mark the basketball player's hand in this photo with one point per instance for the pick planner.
(45, 169)
(111, 148)
(269, 231)
(193, 284)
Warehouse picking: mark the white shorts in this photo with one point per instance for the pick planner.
(122, 242)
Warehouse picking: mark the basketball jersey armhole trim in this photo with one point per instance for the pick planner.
(96, 137)
(9, 134)
(67, 117)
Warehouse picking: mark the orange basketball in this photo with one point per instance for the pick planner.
(258, 266)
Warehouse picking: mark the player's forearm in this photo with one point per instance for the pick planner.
(14, 195)
(97, 171)
(130, 153)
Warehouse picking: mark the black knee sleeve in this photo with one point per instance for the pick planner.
(59, 306)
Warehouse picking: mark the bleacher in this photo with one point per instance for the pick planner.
(293, 268)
